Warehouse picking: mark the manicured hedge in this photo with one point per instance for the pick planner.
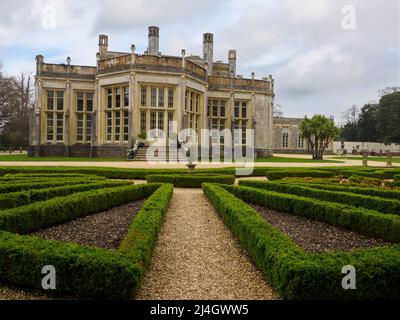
(21, 186)
(367, 222)
(38, 215)
(50, 176)
(299, 275)
(383, 205)
(123, 173)
(276, 175)
(376, 192)
(21, 198)
(80, 271)
(139, 244)
(191, 180)
(396, 178)
(89, 272)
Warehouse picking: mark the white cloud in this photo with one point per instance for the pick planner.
(318, 66)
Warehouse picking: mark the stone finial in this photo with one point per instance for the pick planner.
(183, 52)
(133, 48)
(252, 75)
(68, 61)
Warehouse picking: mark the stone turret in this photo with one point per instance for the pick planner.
(103, 45)
(232, 63)
(208, 51)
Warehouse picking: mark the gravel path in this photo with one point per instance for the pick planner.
(316, 236)
(19, 294)
(197, 257)
(104, 229)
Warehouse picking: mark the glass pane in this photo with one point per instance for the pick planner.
(79, 102)
(89, 102)
(244, 110)
(215, 108)
(126, 97)
(154, 97)
(109, 98)
(117, 92)
(161, 97)
(60, 101)
(109, 125)
(170, 98)
(222, 108)
(143, 121)
(143, 98)
(50, 100)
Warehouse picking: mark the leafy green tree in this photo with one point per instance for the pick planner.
(367, 124)
(319, 131)
(388, 118)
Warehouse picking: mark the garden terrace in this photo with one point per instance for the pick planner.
(294, 273)
(82, 270)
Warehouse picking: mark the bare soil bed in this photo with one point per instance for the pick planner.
(315, 236)
(104, 229)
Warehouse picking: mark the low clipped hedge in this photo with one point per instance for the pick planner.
(43, 214)
(142, 235)
(296, 274)
(277, 175)
(87, 272)
(383, 205)
(121, 173)
(50, 176)
(375, 192)
(191, 180)
(368, 222)
(396, 178)
(21, 198)
(11, 186)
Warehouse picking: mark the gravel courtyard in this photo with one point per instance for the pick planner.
(197, 257)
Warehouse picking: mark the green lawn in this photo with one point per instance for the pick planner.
(24, 157)
(371, 158)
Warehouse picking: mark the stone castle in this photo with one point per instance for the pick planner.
(101, 111)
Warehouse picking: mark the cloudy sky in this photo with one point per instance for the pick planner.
(322, 60)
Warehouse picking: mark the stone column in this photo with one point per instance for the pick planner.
(38, 111)
(96, 136)
(181, 103)
(131, 110)
(67, 114)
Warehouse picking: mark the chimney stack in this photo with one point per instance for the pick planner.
(39, 64)
(153, 40)
(232, 63)
(103, 45)
(208, 43)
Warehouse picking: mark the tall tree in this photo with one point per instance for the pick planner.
(388, 118)
(16, 129)
(319, 131)
(8, 103)
(349, 131)
(367, 124)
